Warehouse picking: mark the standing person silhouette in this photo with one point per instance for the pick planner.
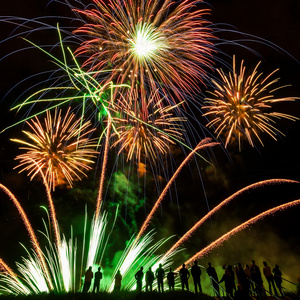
(160, 274)
(184, 277)
(196, 274)
(278, 279)
(211, 271)
(98, 277)
(118, 281)
(228, 278)
(139, 279)
(242, 278)
(87, 280)
(256, 278)
(171, 279)
(270, 278)
(249, 281)
(149, 279)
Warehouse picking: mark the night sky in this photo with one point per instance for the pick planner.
(276, 239)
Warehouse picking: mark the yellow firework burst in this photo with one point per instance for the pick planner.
(242, 105)
(59, 147)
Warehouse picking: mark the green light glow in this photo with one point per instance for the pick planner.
(67, 273)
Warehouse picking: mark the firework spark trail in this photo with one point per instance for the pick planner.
(8, 269)
(203, 144)
(159, 45)
(189, 233)
(137, 254)
(52, 208)
(96, 239)
(104, 164)
(87, 88)
(242, 106)
(235, 230)
(10, 278)
(33, 273)
(32, 236)
(52, 212)
(51, 205)
(67, 255)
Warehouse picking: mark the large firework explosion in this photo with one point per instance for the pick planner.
(93, 91)
(241, 106)
(161, 45)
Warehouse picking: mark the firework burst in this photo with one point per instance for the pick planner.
(156, 44)
(241, 105)
(60, 149)
(145, 132)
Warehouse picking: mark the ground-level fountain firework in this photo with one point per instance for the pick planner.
(134, 75)
(55, 268)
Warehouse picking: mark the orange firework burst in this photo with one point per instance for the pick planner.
(241, 106)
(156, 44)
(60, 149)
(145, 132)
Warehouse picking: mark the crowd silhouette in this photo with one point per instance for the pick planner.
(240, 282)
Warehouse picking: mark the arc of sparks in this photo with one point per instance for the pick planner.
(102, 177)
(237, 229)
(188, 234)
(203, 144)
(31, 233)
(52, 209)
(8, 269)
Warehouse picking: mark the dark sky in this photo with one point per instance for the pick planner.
(276, 22)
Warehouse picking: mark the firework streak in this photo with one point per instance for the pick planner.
(189, 233)
(239, 228)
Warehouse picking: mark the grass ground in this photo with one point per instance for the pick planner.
(177, 295)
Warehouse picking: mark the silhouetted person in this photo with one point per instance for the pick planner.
(242, 278)
(278, 279)
(87, 280)
(196, 274)
(184, 277)
(232, 275)
(160, 274)
(171, 279)
(118, 281)
(248, 276)
(270, 278)
(139, 279)
(98, 277)
(211, 271)
(228, 278)
(149, 279)
(256, 278)
(241, 294)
